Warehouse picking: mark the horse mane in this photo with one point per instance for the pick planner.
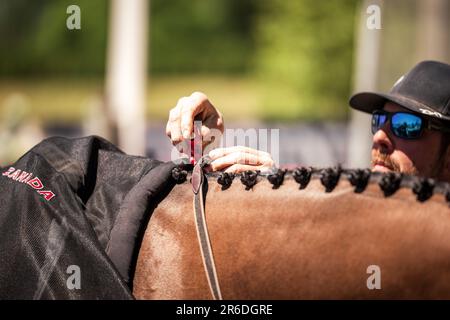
(423, 188)
(305, 233)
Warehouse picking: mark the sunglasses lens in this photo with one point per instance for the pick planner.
(378, 120)
(405, 125)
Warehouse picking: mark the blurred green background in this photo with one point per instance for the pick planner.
(264, 63)
(262, 59)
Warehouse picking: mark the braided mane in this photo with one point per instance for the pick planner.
(389, 183)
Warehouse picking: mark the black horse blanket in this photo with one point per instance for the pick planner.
(72, 216)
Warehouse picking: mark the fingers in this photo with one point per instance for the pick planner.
(196, 104)
(238, 168)
(211, 138)
(238, 159)
(173, 129)
(221, 152)
(215, 123)
(234, 158)
(181, 117)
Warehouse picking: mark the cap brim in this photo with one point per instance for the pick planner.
(371, 101)
(368, 101)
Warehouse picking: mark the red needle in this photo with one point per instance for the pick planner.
(196, 143)
(192, 158)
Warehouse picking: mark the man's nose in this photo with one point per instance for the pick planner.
(382, 141)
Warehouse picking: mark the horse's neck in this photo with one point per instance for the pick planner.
(288, 243)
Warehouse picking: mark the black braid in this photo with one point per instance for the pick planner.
(390, 183)
(248, 178)
(423, 188)
(225, 179)
(330, 178)
(179, 175)
(302, 176)
(276, 178)
(359, 178)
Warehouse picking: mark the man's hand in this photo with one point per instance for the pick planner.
(181, 119)
(238, 159)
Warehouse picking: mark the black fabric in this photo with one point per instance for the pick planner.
(84, 197)
(425, 89)
(128, 231)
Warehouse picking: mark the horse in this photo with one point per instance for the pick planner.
(307, 233)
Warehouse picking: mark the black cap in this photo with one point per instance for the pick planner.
(425, 89)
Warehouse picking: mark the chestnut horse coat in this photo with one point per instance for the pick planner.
(287, 243)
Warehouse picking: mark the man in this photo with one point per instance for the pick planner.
(411, 126)
(410, 123)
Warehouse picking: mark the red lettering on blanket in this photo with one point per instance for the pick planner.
(26, 178)
(35, 183)
(47, 194)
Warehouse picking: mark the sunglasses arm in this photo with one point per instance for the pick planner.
(433, 125)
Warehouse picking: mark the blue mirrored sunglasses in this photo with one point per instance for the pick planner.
(405, 125)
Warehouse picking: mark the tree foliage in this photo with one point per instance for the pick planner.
(38, 41)
(305, 56)
(301, 49)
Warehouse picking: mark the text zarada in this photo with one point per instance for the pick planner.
(28, 179)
